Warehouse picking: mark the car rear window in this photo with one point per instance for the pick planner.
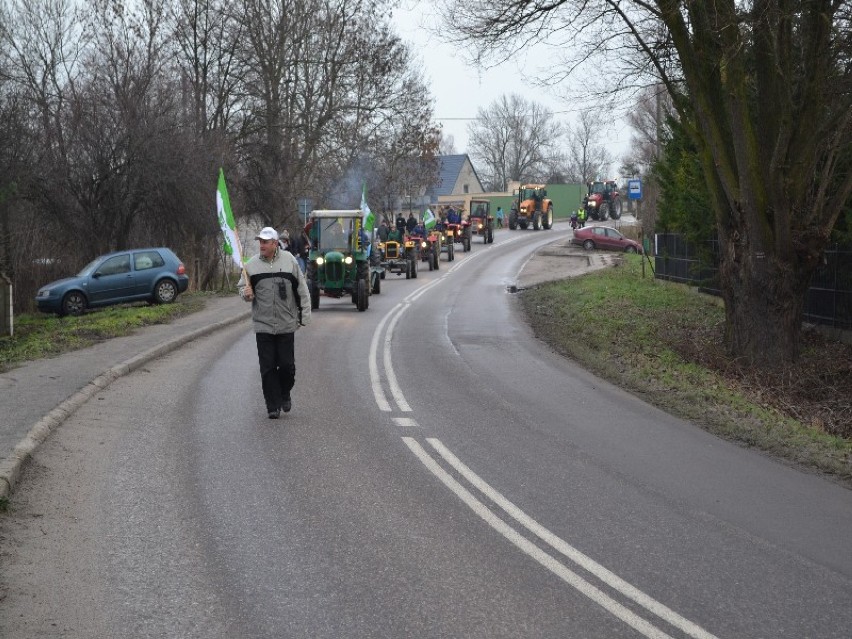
(147, 259)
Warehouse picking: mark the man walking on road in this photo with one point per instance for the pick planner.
(280, 304)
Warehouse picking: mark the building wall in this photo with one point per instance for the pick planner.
(467, 181)
(566, 198)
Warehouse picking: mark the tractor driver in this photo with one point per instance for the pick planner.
(453, 217)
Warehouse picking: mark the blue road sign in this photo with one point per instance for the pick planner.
(634, 189)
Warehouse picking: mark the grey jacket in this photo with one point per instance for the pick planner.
(281, 301)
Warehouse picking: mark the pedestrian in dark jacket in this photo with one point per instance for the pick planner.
(383, 231)
(280, 304)
(410, 223)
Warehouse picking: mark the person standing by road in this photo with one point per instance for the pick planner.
(301, 249)
(499, 217)
(383, 231)
(280, 304)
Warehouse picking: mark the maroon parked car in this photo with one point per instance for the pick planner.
(604, 237)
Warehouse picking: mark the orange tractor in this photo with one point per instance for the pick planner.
(531, 206)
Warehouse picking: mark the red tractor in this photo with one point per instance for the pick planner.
(481, 220)
(603, 201)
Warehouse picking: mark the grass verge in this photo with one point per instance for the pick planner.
(663, 342)
(39, 335)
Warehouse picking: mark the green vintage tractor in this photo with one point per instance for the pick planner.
(339, 262)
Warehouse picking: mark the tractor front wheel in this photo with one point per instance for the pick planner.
(536, 221)
(513, 221)
(315, 294)
(362, 301)
(616, 209)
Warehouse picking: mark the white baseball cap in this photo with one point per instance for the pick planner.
(267, 233)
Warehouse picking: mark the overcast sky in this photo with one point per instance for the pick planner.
(458, 88)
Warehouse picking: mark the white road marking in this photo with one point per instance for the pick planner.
(605, 575)
(394, 386)
(527, 547)
(405, 422)
(375, 380)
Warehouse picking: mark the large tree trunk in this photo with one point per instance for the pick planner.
(764, 302)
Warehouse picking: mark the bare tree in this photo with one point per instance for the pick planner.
(652, 109)
(447, 145)
(117, 118)
(765, 89)
(513, 139)
(588, 156)
(321, 80)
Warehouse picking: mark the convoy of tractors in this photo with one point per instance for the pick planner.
(345, 260)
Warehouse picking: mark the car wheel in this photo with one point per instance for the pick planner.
(588, 245)
(165, 292)
(630, 249)
(74, 303)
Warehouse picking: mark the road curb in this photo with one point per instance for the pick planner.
(11, 468)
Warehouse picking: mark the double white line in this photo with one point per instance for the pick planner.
(548, 561)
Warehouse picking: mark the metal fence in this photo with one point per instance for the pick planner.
(829, 298)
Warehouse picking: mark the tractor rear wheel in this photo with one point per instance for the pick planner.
(548, 219)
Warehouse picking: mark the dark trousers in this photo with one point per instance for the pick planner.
(277, 367)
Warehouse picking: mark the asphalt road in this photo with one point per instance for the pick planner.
(442, 474)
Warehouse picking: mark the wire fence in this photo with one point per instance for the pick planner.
(829, 298)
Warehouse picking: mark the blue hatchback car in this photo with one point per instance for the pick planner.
(152, 274)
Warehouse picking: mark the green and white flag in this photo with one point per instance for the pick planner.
(231, 245)
(428, 219)
(369, 219)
